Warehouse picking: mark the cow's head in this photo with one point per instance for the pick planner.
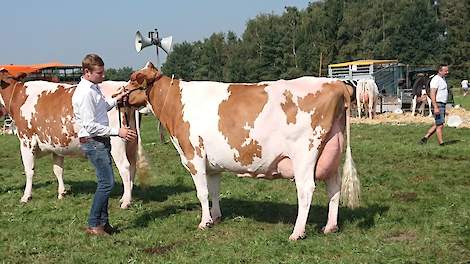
(7, 79)
(139, 84)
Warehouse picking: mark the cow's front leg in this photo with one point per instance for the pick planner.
(304, 181)
(413, 105)
(58, 169)
(118, 151)
(213, 181)
(333, 185)
(200, 181)
(28, 162)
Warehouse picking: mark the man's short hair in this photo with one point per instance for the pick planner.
(442, 65)
(90, 61)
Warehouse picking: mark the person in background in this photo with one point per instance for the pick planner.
(465, 87)
(90, 108)
(439, 96)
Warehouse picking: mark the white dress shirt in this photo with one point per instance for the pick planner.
(90, 108)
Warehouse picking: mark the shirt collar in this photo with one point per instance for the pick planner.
(88, 83)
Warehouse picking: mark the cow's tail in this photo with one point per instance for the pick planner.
(350, 186)
(142, 163)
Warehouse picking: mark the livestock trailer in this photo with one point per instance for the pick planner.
(394, 79)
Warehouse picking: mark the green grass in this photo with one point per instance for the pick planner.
(461, 100)
(415, 209)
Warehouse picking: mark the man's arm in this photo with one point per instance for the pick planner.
(87, 117)
(433, 100)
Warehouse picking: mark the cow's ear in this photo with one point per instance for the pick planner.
(139, 77)
(3, 84)
(150, 65)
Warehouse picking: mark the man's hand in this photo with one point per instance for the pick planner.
(120, 94)
(127, 134)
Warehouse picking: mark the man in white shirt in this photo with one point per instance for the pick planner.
(90, 108)
(439, 95)
(465, 87)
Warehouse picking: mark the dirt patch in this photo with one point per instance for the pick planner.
(405, 196)
(402, 236)
(160, 250)
(408, 118)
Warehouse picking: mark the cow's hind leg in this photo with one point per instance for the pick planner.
(28, 162)
(304, 181)
(333, 185)
(58, 169)
(429, 105)
(213, 181)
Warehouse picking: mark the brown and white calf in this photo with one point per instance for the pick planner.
(367, 94)
(43, 114)
(283, 129)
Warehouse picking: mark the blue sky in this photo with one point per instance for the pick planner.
(60, 30)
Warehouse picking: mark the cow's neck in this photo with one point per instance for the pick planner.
(165, 98)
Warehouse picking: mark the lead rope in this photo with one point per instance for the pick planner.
(166, 96)
(160, 126)
(119, 112)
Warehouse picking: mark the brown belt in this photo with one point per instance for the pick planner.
(103, 140)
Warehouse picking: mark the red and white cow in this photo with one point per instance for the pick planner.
(43, 114)
(367, 93)
(283, 129)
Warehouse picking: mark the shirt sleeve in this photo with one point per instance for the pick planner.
(434, 84)
(111, 103)
(87, 116)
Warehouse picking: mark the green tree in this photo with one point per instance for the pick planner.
(121, 74)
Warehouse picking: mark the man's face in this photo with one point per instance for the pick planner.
(96, 75)
(444, 71)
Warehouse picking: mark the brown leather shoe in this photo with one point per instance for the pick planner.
(95, 231)
(109, 229)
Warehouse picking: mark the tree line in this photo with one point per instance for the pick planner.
(304, 42)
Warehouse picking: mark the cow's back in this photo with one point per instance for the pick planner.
(46, 117)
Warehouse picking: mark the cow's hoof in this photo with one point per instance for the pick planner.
(295, 237)
(217, 220)
(206, 225)
(25, 199)
(328, 230)
(125, 205)
(60, 196)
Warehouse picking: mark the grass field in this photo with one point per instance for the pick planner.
(415, 209)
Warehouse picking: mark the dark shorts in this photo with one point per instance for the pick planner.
(441, 117)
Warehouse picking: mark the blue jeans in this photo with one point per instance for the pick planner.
(99, 153)
(441, 117)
